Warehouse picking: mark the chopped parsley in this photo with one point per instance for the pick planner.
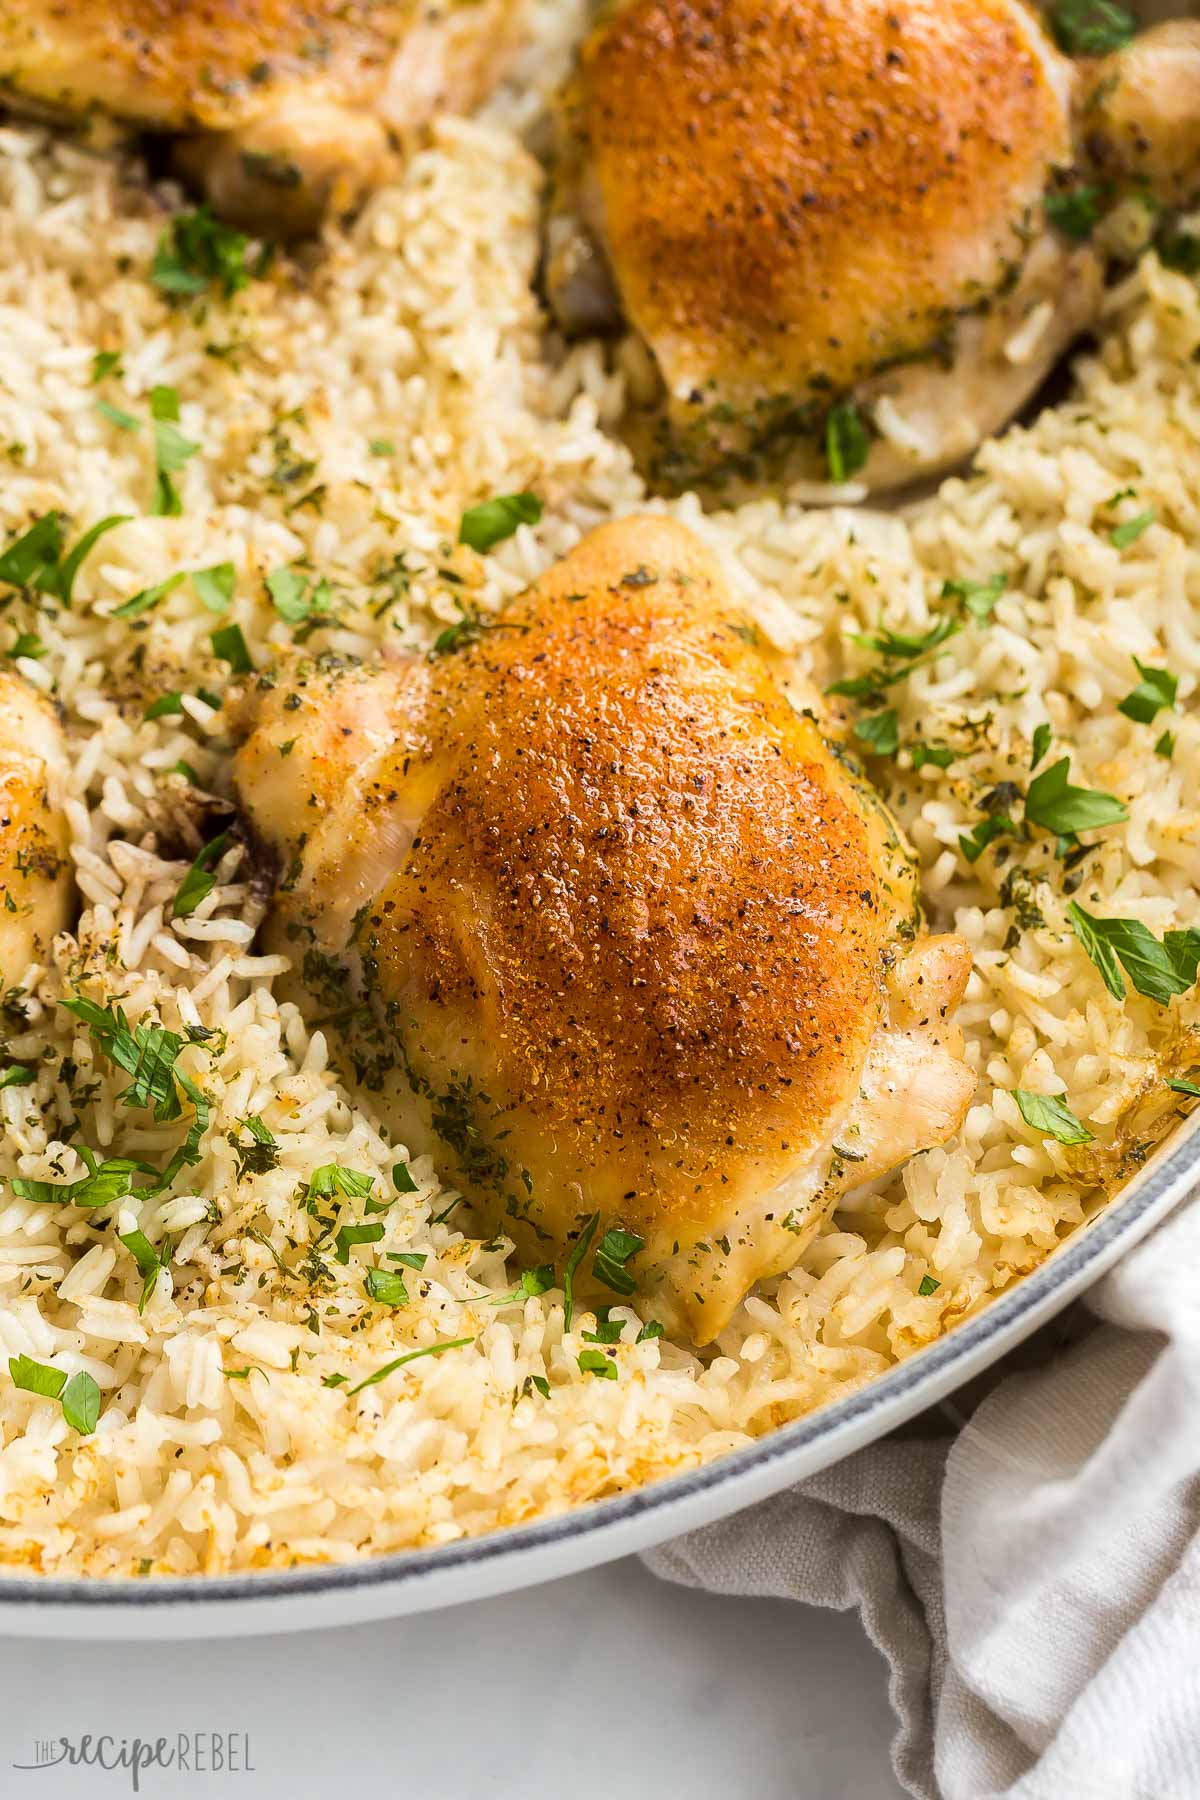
(846, 442)
(331, 1179)
(348, 1236)
(532, 1282)
(881, 733)
(402, 1179)
(1045, 1113)
(197, 252)
(122, 420)
(147, 1052)
(171, 451)
(1178, 250)
(17, 1075)
(1187, 1088)
(79, 1396)
(386, 1286)
(1056, 806)
(230, 646)
(1130, 530)
(594, 1362)
(167, 706)
(1076, 211)
(1154, 693)
(36, 560)
(200, 879)
(977, 597)
(297, 597)
(573, 1261)
(261, 1154)
(973, 843)
(148, 598)
(214, 586)
(940, 755)
(651, 1329)
(928, 1286)
(399, 1362)
(1091, 27)
(615, 1249)
(1042, 736)
(103, 1185)
(1157, 970)
(382, 447)
(494, 520)
(1165, 746)
(149, 1261)
(104, 364)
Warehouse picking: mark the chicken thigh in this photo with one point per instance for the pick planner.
(825, 219)
(641, 942)
(35, 877)
(282, 111)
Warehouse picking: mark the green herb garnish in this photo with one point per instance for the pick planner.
(847, 444)
(1043, 1112)
(1091, 27)
(1121, 536)
(1154, 693)
(79, 1397)
(594, 1362)
(399, 1362)
(494, 520)
(230, 646)
(214, 586)
(1056, 806)
(881, 733)
(197, 251)
(200, 879)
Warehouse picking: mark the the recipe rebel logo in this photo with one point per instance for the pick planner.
(205, 1753)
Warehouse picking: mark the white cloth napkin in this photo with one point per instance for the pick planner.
(1032, 1579)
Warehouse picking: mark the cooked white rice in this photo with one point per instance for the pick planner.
(219, 1445)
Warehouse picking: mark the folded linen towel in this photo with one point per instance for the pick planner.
(1033, 1575)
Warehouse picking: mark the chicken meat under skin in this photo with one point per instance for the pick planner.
(35, 870)
(642, 943)
(799, 202)
(282, 112)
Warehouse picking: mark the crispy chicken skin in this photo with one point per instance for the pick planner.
(284, 110)
(634, 930)
(35, 878)
(796, 202)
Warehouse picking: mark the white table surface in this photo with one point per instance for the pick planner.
(606, 1686)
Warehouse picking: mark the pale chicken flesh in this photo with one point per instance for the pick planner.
(282, 111)
(35, 874)
(800, 205)
(643, 945)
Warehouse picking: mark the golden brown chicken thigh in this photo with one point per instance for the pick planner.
(35, 877)
(799, 204)
(284, 110)
(642, 944)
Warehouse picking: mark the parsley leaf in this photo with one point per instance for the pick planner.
(167, 706)
(410, 1356)
(149, 597)
(349, 1235)
(615, 1249)
(35, 559)
(1042, 736)
(105, 363)
(147, 1052)
(974, 842)
(651, 1329)
(978, 597)
(494, 520)
(229, 644)
(1056, 806)
(1075, 212)
(36, 1377)
(1165, 746)
(1154, 693)
(594, 1362)
(331, 1179)
(402, 1179)
(940, 755)
(1130, 530)
(1043, 1112)
(1158, 971)
(1091, 27)
(881, 733)
(214, 586)
(386, 1286)
(17, 1075)
(846, 442)
(928, 1285)
(573, 1261)
(295, 597)
(200, 879)
(122, 420)
(80, 1401)
(104, 1184)
(197, 251)
(904, 644)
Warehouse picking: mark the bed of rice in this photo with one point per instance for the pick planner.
(419, 329)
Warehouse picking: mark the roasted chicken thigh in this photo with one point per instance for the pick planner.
(639, 939)
(825, 220)
(281, 111)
